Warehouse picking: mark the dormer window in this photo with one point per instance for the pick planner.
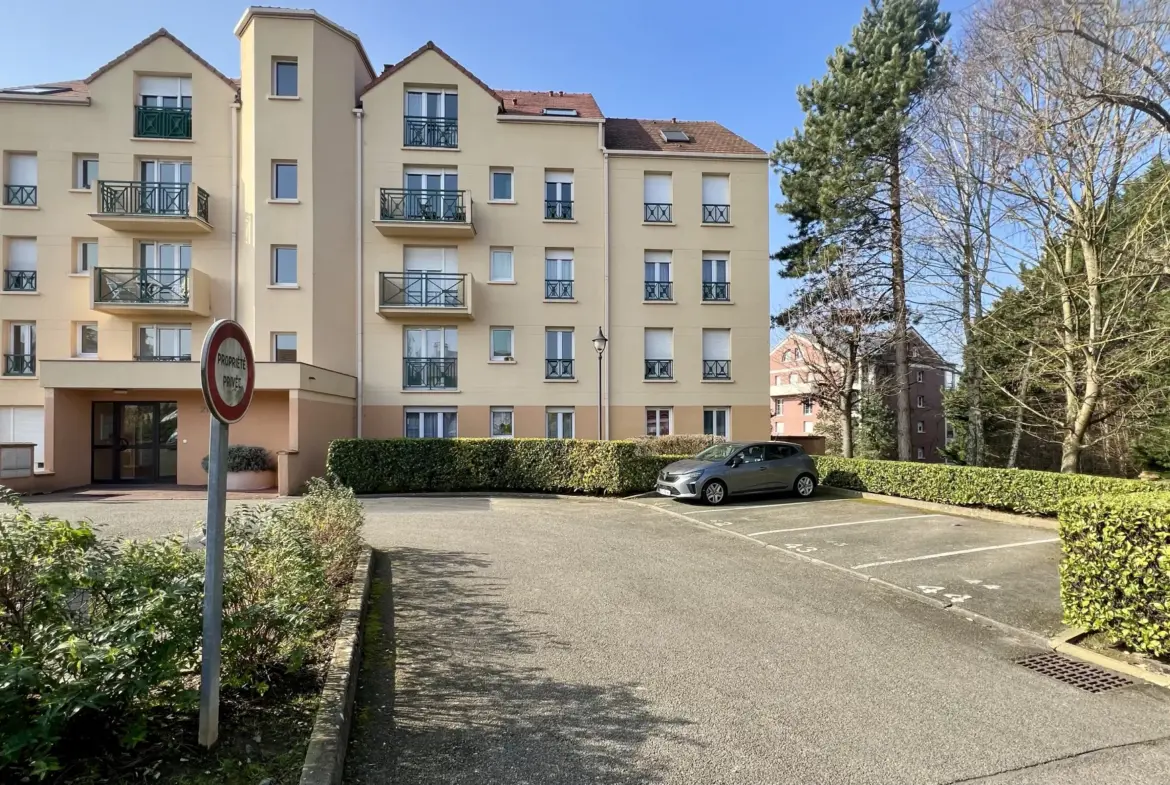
(674, 135)
(554, 111)
(432, 119)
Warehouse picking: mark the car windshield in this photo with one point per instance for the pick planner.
(718, 452)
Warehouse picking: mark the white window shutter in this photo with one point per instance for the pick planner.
(716, 189)
(161, 85)
(22, 253)
(659, 344)
(716, 344)
(558, 177)
(657, 257)
(28, 425)
(22, 170)
(656, 189)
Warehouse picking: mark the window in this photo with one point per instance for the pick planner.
(556, 111)
(794, 378)
(432, 119)
(558, 274)
(163, 342)
(807, 408)
(169, 92)
(778, 428)
(284, 265)
(501, 422)
(808, 427)
(284, 347)
(716, 422)
(715, 281)
(431, 423)
(920, 427)
(501, 190)
(20, 180)
(431, 358)
(918, 376)
(165, 266)
(921, 401)
(659, 353)
(658, 422)
(87, 256)
(558, 353)
(921, 454)
(432, 103)
(501, 266)
(657, 194)
(797, 354)
(20, 266)
(560, 423)
(502, 350)
(717, 354)
(85, 171)
(87, 340)
(284, 180)
(284, 77)
(658, 281)
(787, 356)
(716, 199)
(558, 195)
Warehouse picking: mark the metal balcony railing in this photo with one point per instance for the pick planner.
(141, 285)
(716, 290)
(163, 358)
(20, 195)
(130, 197)
(660, 369)
(659, 290)
(716, 369)
(555, 210)
(558, 289)
(401, 204)
(20, 365)
(430, 373)
(20, 280)
(423, 290)
(430, 132)
(716, 213)
(657, 213)
(558, 369)
(162, 122)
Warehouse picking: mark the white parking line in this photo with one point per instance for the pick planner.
(954, 553)
(757, 506)
(847, 523)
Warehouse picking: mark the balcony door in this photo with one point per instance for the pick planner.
(135, 442)
(431, 194)
(164, 271)
(431, 357)
(163, 187)
(430, 276)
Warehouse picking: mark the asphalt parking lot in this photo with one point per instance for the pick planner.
(1002, 571)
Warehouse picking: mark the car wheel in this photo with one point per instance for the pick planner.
(715, 492)
(805, 485)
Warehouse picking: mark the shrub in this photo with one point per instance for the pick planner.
(1015, 490)
(676, 443)
(1115, 575)
(533, 465)
(245, 458)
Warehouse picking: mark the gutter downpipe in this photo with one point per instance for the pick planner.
(235, 206)
(605, 274)
(359, 259)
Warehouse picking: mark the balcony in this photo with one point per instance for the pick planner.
(558, 369)
(658, 213)
(430, 373)
(147, 290)
(430, 132)
(163, 358)
(132, 206)
(716, 292)
(20, 280)
(558, 289)
(20, 365)
(660, 370)
(419, 294)
(418, 213)
(20, 195)
(659, 291)
(555, 210)
(719, 370)
(716, 213)
(162, 122)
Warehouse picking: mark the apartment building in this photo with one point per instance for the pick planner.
(413, 253)
(797, 365)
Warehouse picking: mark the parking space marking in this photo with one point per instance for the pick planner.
(727, 507)
(847, 523)
(954, 553)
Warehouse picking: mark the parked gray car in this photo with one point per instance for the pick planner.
(724, 470)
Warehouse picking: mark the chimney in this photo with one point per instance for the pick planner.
(515, 101)
(562, 92)
(550, 92)
(674, 120)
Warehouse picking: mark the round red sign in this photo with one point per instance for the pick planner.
(228, 371)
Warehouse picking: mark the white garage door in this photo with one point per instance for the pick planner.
(24, 424)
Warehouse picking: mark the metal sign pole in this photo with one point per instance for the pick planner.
(213, 583)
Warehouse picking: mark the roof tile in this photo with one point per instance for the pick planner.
(534, 102)
(706, 137)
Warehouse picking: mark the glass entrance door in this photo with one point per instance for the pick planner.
(135, 442)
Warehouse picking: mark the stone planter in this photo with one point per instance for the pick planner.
(251, 481)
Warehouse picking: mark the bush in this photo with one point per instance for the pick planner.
(1115, 575)
(244, 458)
(1015, 490)
(677, 443)
(532, 465)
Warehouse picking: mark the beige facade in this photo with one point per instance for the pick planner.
(412, 253)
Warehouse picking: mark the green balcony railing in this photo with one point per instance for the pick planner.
(129, 197)
(141, 286)
(20, 195)
(162, 122)
(20, 365)
(20, 280)
(423, 290)
(430, 132)
(404, 204)
(430, 373)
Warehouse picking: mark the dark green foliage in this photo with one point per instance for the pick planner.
(677, 443)
(527, 465)
(1014, 490)
(245, 458)
(1115, 575)
(876, 434)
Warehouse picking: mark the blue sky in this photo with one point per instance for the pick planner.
(737, 62)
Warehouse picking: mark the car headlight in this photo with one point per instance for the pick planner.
(690, 476)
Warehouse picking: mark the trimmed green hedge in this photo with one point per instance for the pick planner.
(1014, 490)
(532, 465)
(1115, 575)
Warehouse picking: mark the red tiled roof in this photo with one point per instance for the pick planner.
(68, 90)
(534, 102)
(706, 137)
(429, 46)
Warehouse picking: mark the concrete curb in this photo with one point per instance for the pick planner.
(950, 509)
(1063, 644)
(325, 757)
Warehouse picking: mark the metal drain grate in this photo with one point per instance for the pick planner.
(1081, 675)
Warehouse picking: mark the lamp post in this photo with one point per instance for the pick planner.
(599, 343)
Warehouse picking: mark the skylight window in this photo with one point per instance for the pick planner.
(674, 135)
(554, 111)
(35, 90)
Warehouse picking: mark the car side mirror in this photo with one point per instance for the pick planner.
(736, 461)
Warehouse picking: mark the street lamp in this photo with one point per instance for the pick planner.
(599, 343)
